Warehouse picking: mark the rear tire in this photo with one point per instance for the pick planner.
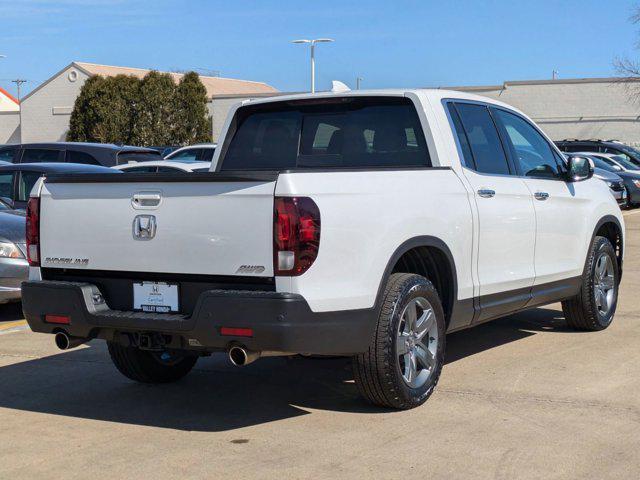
(150, 367)
(593, 308)
(403, 363)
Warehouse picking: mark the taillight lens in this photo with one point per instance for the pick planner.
(33, 232)
(296, 235)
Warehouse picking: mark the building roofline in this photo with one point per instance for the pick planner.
(78, 65)
(50, 79)
(557, 81)
(252, 95)
(9, 96)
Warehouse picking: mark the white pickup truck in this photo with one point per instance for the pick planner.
(365, 224)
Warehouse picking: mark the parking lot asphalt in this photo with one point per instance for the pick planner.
(521, 397)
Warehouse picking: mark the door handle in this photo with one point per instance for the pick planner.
(541, 195)
(486, 193)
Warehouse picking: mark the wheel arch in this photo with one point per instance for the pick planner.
(610, 227)
(428, 256)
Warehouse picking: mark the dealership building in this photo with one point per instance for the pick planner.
(45, 112)
(604, 108)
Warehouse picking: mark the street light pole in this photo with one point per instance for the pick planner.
(312, 44)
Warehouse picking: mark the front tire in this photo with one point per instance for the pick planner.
(148, 366)
(403, 363)
(595, 305)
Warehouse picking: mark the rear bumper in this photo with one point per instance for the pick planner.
(280, 322)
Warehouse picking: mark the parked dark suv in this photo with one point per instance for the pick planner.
(103, 154)
(601, 146)
(16, 181)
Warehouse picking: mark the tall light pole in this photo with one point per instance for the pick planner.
(312, 43)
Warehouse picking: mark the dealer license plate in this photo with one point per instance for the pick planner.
(155, 297)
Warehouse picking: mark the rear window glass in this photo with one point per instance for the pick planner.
(349, 133)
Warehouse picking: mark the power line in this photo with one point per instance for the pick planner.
(19, 82)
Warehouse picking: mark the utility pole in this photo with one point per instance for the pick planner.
(554, 74)
(18, 83)
(358, 82)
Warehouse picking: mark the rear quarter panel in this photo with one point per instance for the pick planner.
(365, 217)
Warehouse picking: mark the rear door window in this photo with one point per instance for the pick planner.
(38, 155)
(337, 133)
(483, 139)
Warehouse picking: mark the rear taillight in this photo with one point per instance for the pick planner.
(33, 231)
(296, 235)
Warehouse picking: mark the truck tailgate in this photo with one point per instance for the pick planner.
(202, 223)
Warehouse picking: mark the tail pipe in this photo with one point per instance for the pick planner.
(241, 356)
(66, 342)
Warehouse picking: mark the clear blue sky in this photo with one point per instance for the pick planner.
(391, 43)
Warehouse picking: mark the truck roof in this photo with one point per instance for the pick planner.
(434, 94)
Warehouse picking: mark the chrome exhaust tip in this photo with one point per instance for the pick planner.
(240, 356)
(66, 342)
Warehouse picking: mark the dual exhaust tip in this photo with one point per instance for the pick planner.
(238, 355)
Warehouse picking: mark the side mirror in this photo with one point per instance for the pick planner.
(579, 169)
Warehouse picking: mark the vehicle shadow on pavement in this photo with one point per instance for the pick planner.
(10, 312)
(216, 396)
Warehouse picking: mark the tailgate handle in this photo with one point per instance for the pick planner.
(142, 200)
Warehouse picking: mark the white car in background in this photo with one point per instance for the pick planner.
(202, 152)
(165, 166)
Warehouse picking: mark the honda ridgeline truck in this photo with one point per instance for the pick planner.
(363, 224)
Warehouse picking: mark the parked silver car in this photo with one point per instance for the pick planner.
(14, 268)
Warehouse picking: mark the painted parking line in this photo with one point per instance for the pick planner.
(10, 325)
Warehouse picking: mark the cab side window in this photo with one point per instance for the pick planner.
(532, 153)
(480, 139)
